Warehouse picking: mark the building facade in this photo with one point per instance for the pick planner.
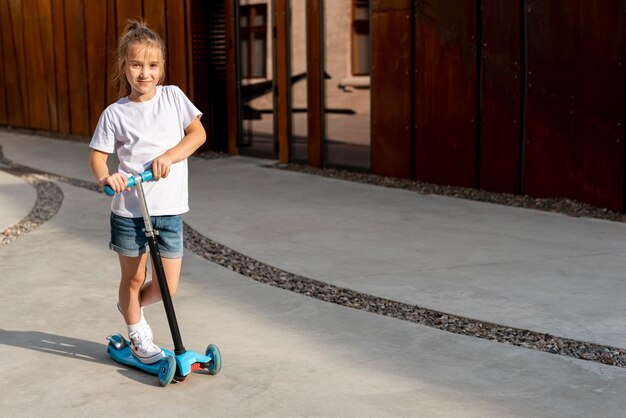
(513, 96)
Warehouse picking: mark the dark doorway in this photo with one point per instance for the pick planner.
(208, 30)
(255, 78)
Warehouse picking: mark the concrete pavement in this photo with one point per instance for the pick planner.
(285, 354)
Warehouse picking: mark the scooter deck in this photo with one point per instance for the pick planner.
(186, 363)
(125, 356)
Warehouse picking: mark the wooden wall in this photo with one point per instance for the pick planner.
(517, 96)
(56, 57)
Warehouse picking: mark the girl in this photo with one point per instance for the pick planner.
(151, 127)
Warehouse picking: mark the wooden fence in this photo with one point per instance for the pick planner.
(56, 57)
(517, 96)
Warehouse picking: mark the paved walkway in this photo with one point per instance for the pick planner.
(286, 354)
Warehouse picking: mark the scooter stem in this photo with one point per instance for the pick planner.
(160, 272)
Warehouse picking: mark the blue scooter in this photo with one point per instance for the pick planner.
(177, 364)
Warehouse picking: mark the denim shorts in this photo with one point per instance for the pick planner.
(128, 235)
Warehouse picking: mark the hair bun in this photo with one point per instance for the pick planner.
(133, 25)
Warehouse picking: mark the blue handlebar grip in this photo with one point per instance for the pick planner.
(145, 176)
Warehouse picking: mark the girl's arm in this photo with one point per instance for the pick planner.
(195, 136)
(100, 170)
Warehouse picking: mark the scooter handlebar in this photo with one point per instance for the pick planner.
(132, 181)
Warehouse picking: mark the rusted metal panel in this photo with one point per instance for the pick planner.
(445, 93)
(391, 92)
(575, 108)
(501, 98)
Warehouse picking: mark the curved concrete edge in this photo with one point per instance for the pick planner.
(17, 198)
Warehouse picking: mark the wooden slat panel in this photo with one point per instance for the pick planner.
(95, 38)
(314, 42)
(231, 82)
(15, 23)
(189, 48)
(154, 14)
(457, 17)
(282, 79)
(44, 10)
(200, 24)
(155, 17)
(3, 93)
(15, 110)
(445, 94)
(390, 81)
(176, 44)
(501, 96)
(77, 67)
(111, 45)
(575, 128)
(60, 66)
(35, 75)
(127, 9)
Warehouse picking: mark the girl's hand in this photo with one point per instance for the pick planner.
(117, 182)
(161, 166)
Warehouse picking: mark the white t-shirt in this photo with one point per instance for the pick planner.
(139, 132)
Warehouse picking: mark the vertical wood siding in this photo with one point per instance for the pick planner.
(445, 92)
(391, 93)
(517, 96)
(501, 96)
(575, 123)
(57, 58)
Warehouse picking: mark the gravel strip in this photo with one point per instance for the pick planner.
(50, 197)
(263, 273)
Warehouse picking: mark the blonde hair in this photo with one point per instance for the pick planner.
(136, 32)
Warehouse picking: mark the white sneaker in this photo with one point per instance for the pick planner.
(149, 334)
(142, 346)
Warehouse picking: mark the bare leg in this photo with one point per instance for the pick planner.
(133, 276)
(150, 292)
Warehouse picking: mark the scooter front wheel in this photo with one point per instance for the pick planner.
(215, 365)
(167, 368)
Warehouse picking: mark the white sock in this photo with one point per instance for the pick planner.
(138, 326)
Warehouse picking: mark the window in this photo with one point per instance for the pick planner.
(361, 37)
(253, 23)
